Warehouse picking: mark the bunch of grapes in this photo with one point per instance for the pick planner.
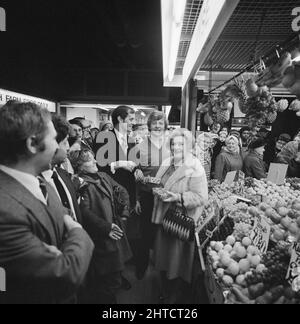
(249, 182)
(277, 262)
(295, 183)
(225, 230)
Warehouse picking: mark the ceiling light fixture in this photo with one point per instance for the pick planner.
(177, 22)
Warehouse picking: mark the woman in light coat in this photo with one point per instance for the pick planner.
(184, 178)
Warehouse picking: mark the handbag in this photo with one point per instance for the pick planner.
(178, 224)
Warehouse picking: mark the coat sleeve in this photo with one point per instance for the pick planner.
(197, 194)
(219, 167)
(91, 218)
(121, 198)
(258, 170)
(24, 255)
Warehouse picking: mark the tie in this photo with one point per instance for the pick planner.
(43, 188)
(61, 191)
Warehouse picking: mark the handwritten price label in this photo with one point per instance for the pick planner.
(293, 274)
(260, 234)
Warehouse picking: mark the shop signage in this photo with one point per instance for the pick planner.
(2, 20)
(260, 234)
(296, 21)
(277, 173)
(6, 96)
(2, 280)
(293, 274)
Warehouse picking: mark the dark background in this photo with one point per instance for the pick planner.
(84, 50)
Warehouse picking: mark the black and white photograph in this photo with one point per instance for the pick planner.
(150, 155)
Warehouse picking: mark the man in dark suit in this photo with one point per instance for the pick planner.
(112, 151)
(45, 253)
(60, 180)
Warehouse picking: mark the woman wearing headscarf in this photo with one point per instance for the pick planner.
(229, 159)
(184, 181)
(104, 205)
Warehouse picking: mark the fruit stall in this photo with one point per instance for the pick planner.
(249, 242)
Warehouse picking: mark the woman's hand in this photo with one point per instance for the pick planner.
(138, 208)
(171, 197)
(116, 233)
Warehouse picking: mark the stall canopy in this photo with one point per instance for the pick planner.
(221, 36)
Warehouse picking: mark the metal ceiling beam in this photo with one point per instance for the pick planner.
(252, 38)
(198, 51)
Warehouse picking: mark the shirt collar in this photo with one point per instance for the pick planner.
(48, 175)
(119, 135)
(22, 177)
(29, 181)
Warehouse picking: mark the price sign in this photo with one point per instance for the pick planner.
(277, 173)
(230, 177)
(293, 274)
(211, 224)
(261, 234)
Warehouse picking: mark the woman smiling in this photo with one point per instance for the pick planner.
(229, 159)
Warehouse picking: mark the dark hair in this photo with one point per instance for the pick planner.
(18, 122)
(62, 127)
(245, 129)
(256, 143)
(121, 111)
(136, 127)
(76, 121)
(77, 158)
(155, 116)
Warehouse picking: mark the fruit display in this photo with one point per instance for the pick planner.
(266, 284)
(273, 76)
(295, 106)
(273, 193)
(283, 105)
(225, 229)
(261, 108)
(248, 276)
(294, 182)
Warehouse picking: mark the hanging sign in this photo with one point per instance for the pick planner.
(6, 96)
(277, 173)
(260, 234)
(293, 274)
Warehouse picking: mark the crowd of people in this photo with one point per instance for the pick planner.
(249, 150)
(78, 204)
